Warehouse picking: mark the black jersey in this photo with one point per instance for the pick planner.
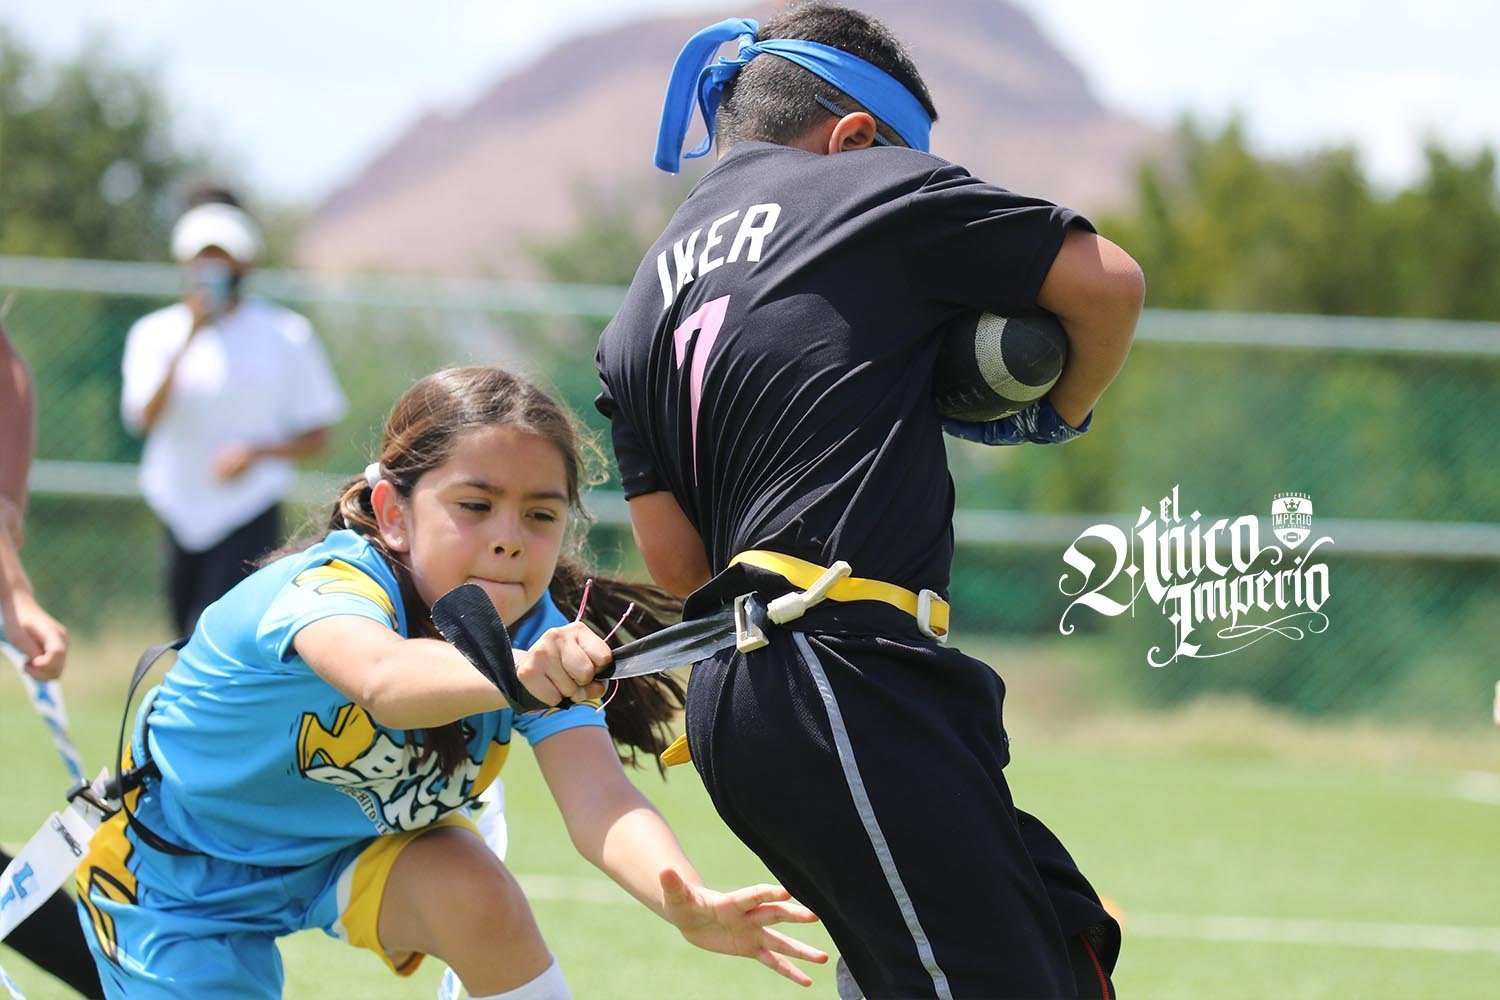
(772, 363)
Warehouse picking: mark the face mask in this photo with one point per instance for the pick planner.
(216, 279)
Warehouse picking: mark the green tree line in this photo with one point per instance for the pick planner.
(1216, 226)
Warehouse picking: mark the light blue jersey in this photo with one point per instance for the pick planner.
(263, 762)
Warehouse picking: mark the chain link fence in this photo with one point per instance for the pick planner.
(1384, 425)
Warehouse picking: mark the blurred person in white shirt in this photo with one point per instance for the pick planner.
(229, 392)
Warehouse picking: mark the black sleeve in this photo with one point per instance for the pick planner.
(637, 473)
(978, 245)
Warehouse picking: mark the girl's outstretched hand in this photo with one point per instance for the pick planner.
(738, 923)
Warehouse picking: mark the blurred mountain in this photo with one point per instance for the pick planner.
(463, 192)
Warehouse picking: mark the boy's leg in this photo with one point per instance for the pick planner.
(1089, 970)
(1093, 935)
(52, 939)
(440, 891)
(866, 773)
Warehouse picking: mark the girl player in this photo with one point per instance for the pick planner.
(310, 756)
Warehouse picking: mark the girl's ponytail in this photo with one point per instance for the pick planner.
(354, 510)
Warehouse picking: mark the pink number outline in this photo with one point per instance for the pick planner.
(706, 323)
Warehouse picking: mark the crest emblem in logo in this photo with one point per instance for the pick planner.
(1291, 517)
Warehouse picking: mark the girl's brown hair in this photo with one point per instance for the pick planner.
(420, 434)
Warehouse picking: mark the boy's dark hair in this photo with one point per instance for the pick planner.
(775, 100)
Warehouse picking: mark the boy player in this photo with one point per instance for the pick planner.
(769, 383)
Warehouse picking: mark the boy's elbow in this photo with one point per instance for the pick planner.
(1120, 286)
(1113, 304)
(1133, 286)
(1093, 280)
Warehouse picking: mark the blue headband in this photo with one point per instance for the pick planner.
(693, 77)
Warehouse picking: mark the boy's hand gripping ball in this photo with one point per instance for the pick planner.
(991, 366)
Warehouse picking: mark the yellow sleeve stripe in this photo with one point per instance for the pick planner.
(338, 577)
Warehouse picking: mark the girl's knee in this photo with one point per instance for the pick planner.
(458, 890)
(455, 900)
(478, 889)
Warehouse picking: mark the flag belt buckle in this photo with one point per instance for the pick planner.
(834, 583)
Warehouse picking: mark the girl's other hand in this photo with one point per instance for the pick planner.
(737, 923)
(562, 663)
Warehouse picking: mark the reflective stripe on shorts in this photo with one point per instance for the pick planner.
(867, 818)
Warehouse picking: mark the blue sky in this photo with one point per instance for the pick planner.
(299, 93)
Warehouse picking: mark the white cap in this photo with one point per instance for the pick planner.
(216, 225)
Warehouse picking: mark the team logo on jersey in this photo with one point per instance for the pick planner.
(394, 785)
(1179, 564)
(1291, 517)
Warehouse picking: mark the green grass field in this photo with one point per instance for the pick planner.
(1253, 855)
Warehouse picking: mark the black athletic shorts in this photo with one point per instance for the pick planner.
(197, 579)
(866, 771)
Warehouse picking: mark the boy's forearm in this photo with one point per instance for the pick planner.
(1099, 339)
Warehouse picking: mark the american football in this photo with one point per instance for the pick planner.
(991, 366)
